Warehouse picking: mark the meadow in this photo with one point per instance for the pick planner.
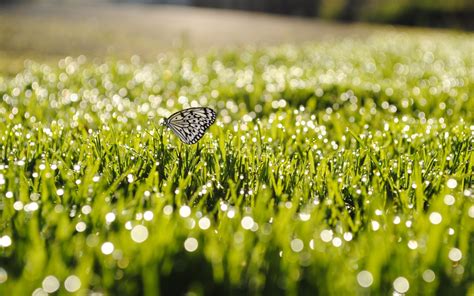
(335, 168)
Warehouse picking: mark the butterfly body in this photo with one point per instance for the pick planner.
(191, 124)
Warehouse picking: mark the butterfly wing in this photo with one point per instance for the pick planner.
(191, 124)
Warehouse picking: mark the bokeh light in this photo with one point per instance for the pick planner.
(455, 254)
(3, 275)
(191, 244)
(365, 279)
(401, 285)
(139, 233)
(184, 211)
(204, 223)
(72, 283)
(50, 284)
(452, 183)
(107, 248)
(429, 276)
(435, 218)
(5, 241)
(247, 222)
(297, 245)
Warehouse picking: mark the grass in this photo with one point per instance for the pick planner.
(334, 168)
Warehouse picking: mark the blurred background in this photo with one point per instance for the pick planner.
(433, 13)
(47, 30)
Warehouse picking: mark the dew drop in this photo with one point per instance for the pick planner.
(455, 254)
(296, 245)
(204, 223)
(247, 222)
(429, 276)
(337, 242)
(148, 215)
(167, 210)
(107, 248)
(184, 211)
(401, 285)
(452, 183)
(81, 226)
(109, 217)
(191, 244)
(3, 275)
(435, 218)
(50, 284)
(365, 279)
(449, 200)
(326, 235)
(72, 283)
(139, 233)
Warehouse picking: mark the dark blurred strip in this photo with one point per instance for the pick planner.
(431, 13)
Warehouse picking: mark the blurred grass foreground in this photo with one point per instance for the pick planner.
(338, 167)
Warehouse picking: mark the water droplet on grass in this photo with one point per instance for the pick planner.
(455, 254)
(148, 216)
(18, 205)
(375, 225)
(191, 244)
(449, 200)
(412, 244)
(396, 220)
(5, 241)
(50, 284)
(167, 210)
(3, 275)
(428, 276)
(365, 279)
(139, 234)
(348, 236)
(247, 222)
(204, 223)
(39, 292)
(337, 242)
(109, 217)
(326, 235)
(401, 285)
(81, 226)
(184, 211)
(296, 245)
(452, 183)
(311, 244)
(31, 207)
(470, 211)
(435, 218)
(107, 248)
(86, 210)
(231, 213)
(304, 216)
(72, 283)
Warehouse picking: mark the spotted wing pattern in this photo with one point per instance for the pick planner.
(191, 124)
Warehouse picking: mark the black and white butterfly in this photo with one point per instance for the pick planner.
(191, 124)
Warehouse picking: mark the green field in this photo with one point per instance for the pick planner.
(337, 168)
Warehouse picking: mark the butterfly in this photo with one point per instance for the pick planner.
(191, 124)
